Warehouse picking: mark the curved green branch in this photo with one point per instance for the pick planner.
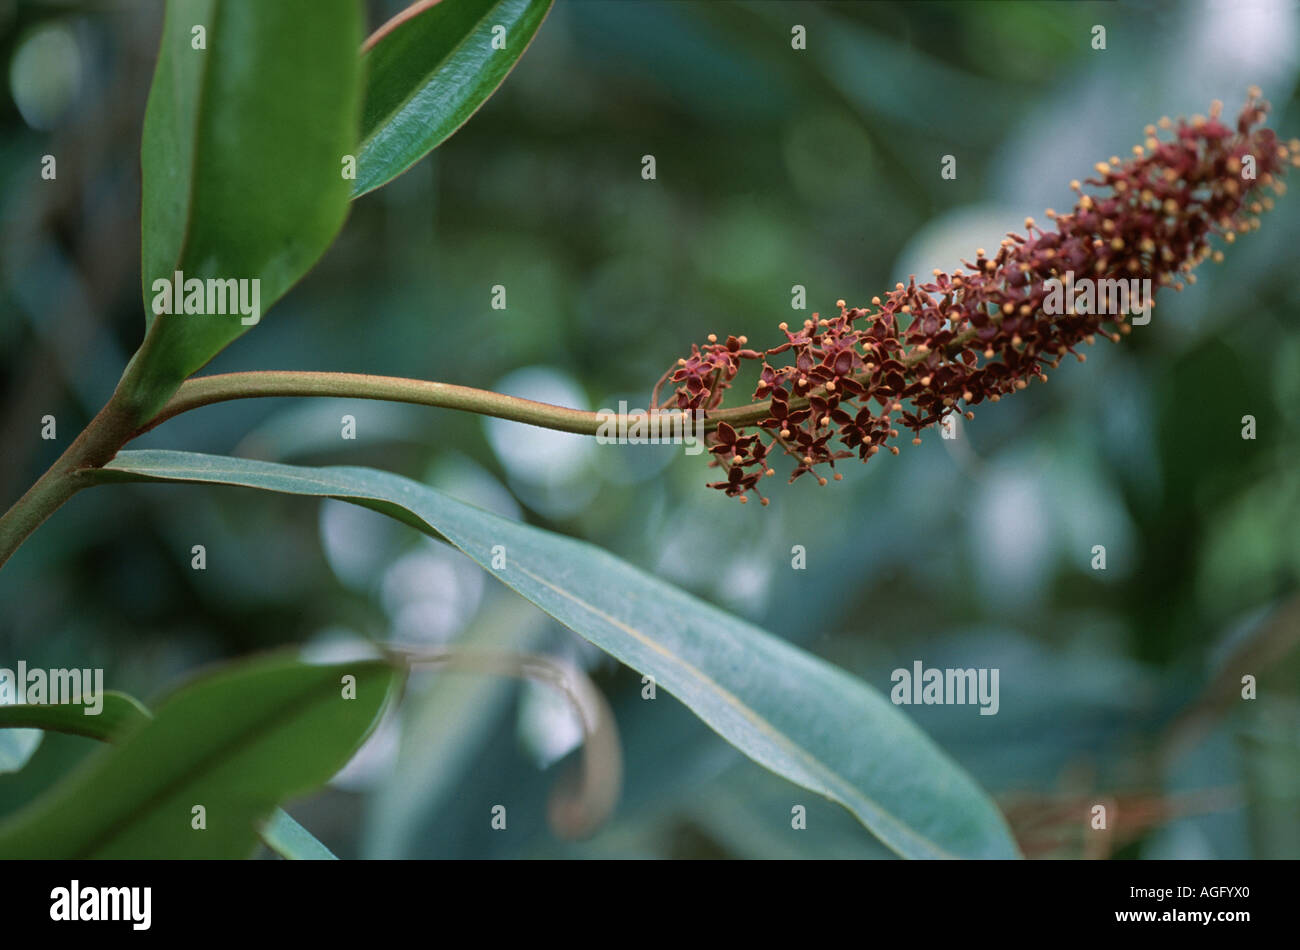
(206, 390)
(114, 426)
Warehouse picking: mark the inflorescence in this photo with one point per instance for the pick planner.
(924, 351)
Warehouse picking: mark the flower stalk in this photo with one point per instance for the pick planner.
(853, 381)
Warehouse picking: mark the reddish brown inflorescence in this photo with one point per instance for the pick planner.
(852, 381)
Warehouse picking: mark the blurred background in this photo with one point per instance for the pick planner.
(775, 167)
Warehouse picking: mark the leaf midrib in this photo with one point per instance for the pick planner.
(755, 718)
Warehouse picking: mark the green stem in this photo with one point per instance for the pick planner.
(206, 390)
(116, 424)
(95, 446)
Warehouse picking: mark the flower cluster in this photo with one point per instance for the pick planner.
(853, 380)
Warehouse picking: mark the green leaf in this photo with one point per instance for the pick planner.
(237, 742)
(120, 715)
(788, 710)
(289, 839)
(242, 164)
(427, 73)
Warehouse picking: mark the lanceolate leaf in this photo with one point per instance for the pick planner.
(236, 743)
(788, 710)
(429, 70)
(254, 106)
(121, 714)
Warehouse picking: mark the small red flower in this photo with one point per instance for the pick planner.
(992, 327)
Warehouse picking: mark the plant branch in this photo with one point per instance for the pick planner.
(95, 446)
(414, 10)
(206, 390)
(115, 425)
(224, 387)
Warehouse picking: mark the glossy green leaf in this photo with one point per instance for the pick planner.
(237, 742)
(242, 161)
(118, 717)
(429, 71)
(788, 710)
